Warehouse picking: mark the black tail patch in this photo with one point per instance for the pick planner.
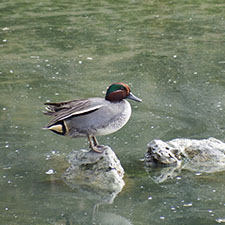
(59, 128)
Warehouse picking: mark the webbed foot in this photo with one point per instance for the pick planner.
(98, 148)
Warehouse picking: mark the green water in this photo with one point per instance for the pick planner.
(171, 53)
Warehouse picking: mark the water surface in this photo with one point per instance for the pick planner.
(171, 53)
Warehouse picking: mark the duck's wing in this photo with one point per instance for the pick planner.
(63, 110)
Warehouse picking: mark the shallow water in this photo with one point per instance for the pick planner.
(171, 53)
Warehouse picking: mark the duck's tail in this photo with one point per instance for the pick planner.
(59, 128)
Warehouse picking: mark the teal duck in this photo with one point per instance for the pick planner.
(93, 116)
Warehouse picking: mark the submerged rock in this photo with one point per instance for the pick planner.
(98, 172)
(207, 155)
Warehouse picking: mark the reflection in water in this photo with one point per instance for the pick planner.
(97, 199)
(160, 175)
(110, 219)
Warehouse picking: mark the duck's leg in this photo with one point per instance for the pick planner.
(94, 146)
(95, 140)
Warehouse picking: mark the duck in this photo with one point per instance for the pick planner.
(92, 117)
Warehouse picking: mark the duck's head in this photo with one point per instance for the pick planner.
(119, 91)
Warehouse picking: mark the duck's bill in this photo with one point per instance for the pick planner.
(133, 97)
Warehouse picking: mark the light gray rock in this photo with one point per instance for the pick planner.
(99, 172)
(206, 155)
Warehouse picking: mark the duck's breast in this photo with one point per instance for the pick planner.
(114, 118)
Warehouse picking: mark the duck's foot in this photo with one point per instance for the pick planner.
(98, 148)
(94, 144)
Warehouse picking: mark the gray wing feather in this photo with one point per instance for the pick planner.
(64, 110)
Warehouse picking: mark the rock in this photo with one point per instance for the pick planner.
(93, 171)
(161, 152)
(207, 155)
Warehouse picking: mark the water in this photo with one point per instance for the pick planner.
(171, 53)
